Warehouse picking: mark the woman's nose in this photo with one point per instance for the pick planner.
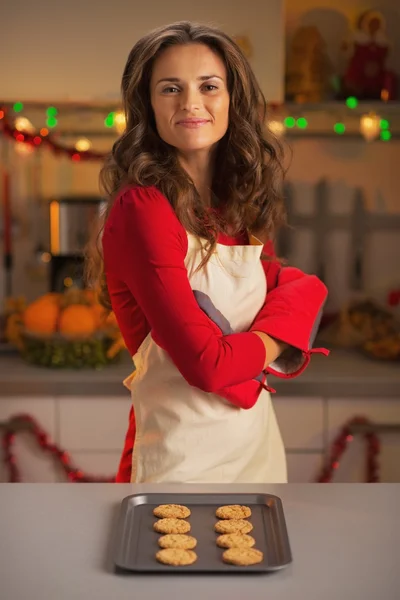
(190, 99)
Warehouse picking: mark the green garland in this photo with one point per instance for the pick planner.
(60, 353)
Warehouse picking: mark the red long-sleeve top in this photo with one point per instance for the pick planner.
(144, 247)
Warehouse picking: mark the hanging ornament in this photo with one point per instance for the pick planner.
(370, 126)
(83, 144)
(120, 122)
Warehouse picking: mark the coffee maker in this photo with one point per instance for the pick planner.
(72, 219)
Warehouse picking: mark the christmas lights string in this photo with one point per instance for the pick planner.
(27, 423)
(43, 139)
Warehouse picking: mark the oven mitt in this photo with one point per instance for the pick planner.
(218, 318)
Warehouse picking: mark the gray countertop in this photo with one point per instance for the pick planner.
(342, 374)
(56, 544)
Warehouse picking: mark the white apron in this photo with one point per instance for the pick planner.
(184, 434)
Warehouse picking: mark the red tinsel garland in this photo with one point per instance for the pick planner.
(340, 445)
(36, 140)
(75, 475)
(26, 422)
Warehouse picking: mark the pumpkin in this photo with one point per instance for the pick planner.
(41, 316)
(77, 321)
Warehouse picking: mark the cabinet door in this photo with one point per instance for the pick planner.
(301, 421)
(93, 423)
(303, 467)
(352, 466)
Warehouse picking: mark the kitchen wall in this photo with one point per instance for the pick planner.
(78, 49)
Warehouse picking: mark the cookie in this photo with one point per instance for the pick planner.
(235, 540)
(176, 557)
(171, 511)
(181, 541)
(242, 557)
(233, 526)
(234, 511)
(171, 526)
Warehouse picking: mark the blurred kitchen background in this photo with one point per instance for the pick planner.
(330, 71)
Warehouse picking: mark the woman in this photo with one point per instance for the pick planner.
(193, 186)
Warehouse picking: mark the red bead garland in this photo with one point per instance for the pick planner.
(339, 446)
(26, 422)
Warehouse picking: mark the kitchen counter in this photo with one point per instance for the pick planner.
(342, 374)
(56, 543)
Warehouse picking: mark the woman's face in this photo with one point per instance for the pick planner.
(190, 98)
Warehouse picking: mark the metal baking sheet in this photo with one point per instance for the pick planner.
(137, 542)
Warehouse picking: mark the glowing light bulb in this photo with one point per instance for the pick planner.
(120, 121)
(24, 124)
(23, 149)
(83, 144)
(370, 126)
(277, 128)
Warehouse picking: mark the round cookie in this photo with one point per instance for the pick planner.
(242, 557)
(171, 526)
(176, 557)
(181, 541)
(234, 511)
(233, 526)
(171, 511)
(235, 540)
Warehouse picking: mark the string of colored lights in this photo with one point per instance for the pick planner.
(371, 125)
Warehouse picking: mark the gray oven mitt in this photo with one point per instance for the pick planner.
(217, 317)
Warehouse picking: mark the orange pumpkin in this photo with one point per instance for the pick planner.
(77, 321)
(41, 316)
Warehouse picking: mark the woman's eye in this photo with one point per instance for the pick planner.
(210, 87)
(170, 90)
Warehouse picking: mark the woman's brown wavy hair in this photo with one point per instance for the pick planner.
(247, 181)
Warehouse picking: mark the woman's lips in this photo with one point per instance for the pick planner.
(192, 123)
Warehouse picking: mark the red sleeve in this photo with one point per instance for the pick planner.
(145, 246)
(291, 314)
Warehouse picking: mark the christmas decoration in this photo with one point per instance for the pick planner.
(69, 330)
(366, 75)
(309, 73)
(339, 446)
(62, 459)
(42, 138)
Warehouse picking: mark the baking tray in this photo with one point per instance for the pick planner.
(137, 542)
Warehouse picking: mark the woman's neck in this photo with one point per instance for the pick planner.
(199, 168)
